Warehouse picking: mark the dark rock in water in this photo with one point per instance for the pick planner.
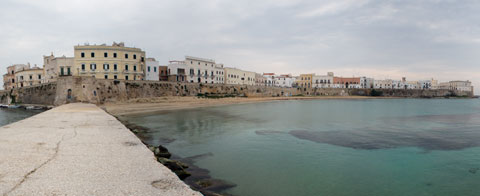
(473, 170)
(215, 185)
(161, 151)
(176, 166)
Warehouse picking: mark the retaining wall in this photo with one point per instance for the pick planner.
(90, 90)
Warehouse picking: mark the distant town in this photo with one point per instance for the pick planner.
(118, 62)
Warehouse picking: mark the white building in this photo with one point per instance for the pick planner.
(269, 79)
(152, 70)
(367, 82)
(284, 81)
(176, 71)
(323, 81)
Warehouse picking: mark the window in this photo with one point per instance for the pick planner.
(126, 77)
(134, 68)
(154, 69)
(134, 56)
(93, 66)
(115, 67)
(82, 54)
(115, 55)
(30, 77)
(62, 72)
(126, 67)
(106, 76)
(143, 59)
(83, 67)
(105, 55)
(115, 77)
(92, 54)
(126, 56)
(148, 68)
(68, 70)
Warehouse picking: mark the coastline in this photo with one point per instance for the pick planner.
(164, 104)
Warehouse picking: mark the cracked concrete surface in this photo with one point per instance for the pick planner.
(78, 149)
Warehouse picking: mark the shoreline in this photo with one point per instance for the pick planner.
(166, 104)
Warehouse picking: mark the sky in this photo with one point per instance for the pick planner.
(417, 39)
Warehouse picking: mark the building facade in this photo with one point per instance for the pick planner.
(29, 77)
(238, 76)
(109, 62)
(55, 67)
(152, 70)
(341, 82)
(9, 79)
(323, 81)
(259, 79)
(177, 71)
(305, 80)
(163, 73)
(284, 81)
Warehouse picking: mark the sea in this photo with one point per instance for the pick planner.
(11, 115)
(329, 147)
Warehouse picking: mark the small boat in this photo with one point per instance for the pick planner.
(13, 106)
(33, 107)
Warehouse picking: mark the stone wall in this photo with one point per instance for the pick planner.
(90, 90)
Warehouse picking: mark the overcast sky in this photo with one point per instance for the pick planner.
(381, 39)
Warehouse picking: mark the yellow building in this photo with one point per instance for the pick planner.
(305, 80)
(109, 62)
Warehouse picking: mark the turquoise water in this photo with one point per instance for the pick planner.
(331, 147)
(8, 116)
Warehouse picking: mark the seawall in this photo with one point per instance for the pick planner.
(79, 149)
(98, 91)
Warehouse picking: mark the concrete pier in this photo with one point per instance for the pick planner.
(78, 149)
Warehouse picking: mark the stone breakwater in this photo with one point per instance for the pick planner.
(90, 90)
(79, 149)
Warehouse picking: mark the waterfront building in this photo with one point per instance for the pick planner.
(341, 82)
(163, 73)
(238, 76)
(305, 80)
(55, 67)
(176, 71)
(366, 82)
(259, 80)
(269, 79)
(109, 62)
(460, 85)
(285, 80)
(29, 77)
(9, 78)
(200, 70)
(152, 70)
(323, 81)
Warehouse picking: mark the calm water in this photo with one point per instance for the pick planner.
(331, 147)
(8, 116)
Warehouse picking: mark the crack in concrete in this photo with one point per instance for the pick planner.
(57, 149)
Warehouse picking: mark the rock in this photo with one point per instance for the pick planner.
(161, 151)
(176, 166)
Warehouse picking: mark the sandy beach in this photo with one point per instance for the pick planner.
(163, 104)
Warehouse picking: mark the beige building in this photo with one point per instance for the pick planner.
(29, 77)
(109, 62)
(238, 76)
(9, 79)
(55, 67)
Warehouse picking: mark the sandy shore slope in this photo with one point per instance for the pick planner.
(162, 104)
